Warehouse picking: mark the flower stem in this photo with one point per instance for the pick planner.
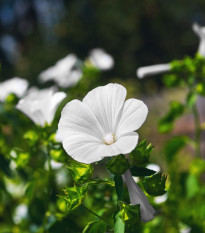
(197, 130)
(98, 216)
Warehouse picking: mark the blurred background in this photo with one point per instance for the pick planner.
(35, 34)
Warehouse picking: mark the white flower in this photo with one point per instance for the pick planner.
(41, 105)
(20, 213)
(160, 199)
(152, 70)
(153, 167)
(102, 125)
(16, 85)
(200, 31)
(100, 59)
(138, 197)
(64, 72)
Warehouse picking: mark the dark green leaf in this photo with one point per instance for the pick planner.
(118, 165)
(141, 171)
(119, 187)
(155, 184)
(140, 155)
(96, 227)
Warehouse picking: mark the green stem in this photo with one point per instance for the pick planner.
(98, 216)
(197, 130)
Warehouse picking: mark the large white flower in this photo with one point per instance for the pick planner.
(200, 31)
(16, 85)
(100, 59)
(65, 72)
(138, 197)
(102, 125)
(41, 105)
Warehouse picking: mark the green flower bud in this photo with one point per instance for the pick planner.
(118, 165)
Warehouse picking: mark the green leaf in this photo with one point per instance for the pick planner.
(74, 196)
(118, 165)
(200, 89)
(130, 215)
(191, 99)
(119, 224)
(4, 165)
(119, 187)
(80, 172)
(58, 155)
(31, 137)
(140, 155)
(155, 184)
(192, 186)
(141, 171)
(174, 145)
(96, 227)
(166, 123)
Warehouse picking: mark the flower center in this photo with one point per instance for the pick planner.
(109, 138)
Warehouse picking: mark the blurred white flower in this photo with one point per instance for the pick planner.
(160, 199)
(64, 73)
(55, 165)
(200, 31)
(153, 167)
(152, 70)
(100, 59)
(41, 105)
(185, 230)
(138, 197)
(14, 188)
(102, 125)
(17, 86)
(20, 213)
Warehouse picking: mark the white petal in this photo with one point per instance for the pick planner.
(138, 197)
(106, 103)
(100, 59)
(55, 100)
(133, 116)
(152, 70)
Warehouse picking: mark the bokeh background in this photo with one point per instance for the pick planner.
(35, 34)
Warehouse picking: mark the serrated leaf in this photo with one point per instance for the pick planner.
(96, 227)
(74, 196)
(140, 155)
(119, 187)
(80, 172)
(118, 165)
(141, 171)
(155, 184)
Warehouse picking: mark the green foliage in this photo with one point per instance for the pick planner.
(155, 184)
(119, 224)
(166, 123)
(74, 196)
(130, 214)
(140, 155)
(174, 145)
(119, 187)
(31, 136)
(96, 227)
(80, 172)
(118, 165)
(141, 171)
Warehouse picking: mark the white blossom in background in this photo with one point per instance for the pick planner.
(153, 167)
(102, 125)
(20, 213)
(17, 86)
(160, 199)
(138, 197)
(41, 105)
(65, 73)
(200, 31)
(185, 230)
(100, 59)
(152, 70)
